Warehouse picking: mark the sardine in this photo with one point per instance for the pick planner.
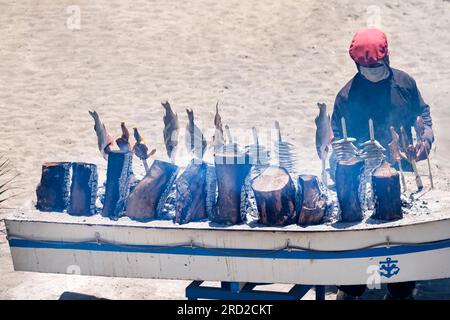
(195, 141)
(123, 142)
(218, 139)
(105, 141)
(140, 149)
(324, 136)
(171, 129)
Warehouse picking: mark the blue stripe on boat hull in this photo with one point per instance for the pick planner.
(224, 252)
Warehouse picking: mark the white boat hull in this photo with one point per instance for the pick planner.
(392, 252)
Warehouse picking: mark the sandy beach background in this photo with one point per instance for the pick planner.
(264, 60)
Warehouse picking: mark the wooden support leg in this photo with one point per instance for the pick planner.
(320, 293)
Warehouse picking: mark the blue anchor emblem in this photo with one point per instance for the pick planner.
(389, 268)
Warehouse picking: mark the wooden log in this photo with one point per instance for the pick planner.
(142, 203)
(53, 190)
(347, 185)
(386, 188)
(274, 193)
(312, 202)
(191, 194)
(83, 190)
(117, 183)
(231, 170)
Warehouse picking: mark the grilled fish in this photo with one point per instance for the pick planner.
(104, 139)
(324, 136)
(140, 149)
(218, 139)
(171, 129)
(195, 141)
(123, 142)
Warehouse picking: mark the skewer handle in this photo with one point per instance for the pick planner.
(278, 130)
(344, 128)
(255, 136)
(371, 131)
(430, 175)
(416, 173)
(402, 176)
(227, 130)
(145, 165)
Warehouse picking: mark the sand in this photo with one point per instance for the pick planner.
(263, 60)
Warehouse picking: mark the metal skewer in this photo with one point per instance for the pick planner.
(410, 158)
(430, 175)
(395, 151)
(344, 128)
(419, 127)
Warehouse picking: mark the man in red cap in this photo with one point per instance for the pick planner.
(389, 97)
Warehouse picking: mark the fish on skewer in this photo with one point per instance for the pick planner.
(396, 155)
(140, 149)
(229, 144)
(419, 126)
(218, 138)
(372, 152)
(324, 136)
(284, 154)
(410, 156)
(105, 141)
(195, 141)
(344, 149)
(123, 142)
(257, 152)
(171, 130)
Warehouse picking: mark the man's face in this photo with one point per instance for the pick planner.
(375, 73)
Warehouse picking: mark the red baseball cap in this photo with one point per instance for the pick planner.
(369, 46)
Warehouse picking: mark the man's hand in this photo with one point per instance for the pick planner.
(422, 150)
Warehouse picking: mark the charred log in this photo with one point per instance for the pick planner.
(191, 194)
(53, 190)
(83, 190)
(142, 203)
(117, 183)
(274, 193)
(312, 202)
(231, 171)
(348, 174)
(386, 187)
